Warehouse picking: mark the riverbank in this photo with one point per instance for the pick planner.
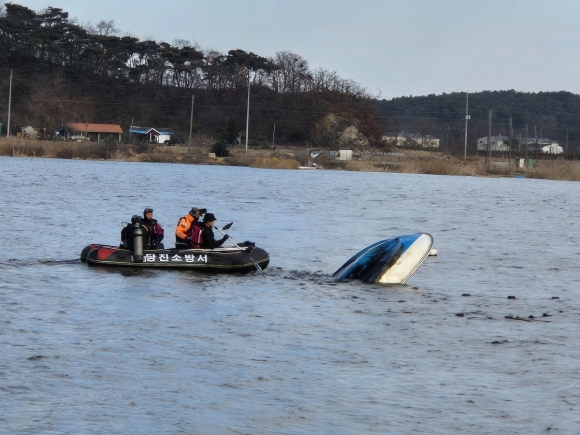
(404, 160)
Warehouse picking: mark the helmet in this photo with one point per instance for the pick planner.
(148, 210)
(135, 218)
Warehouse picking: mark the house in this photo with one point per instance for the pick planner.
(340, 155)
(501, 143)
(411, 140)
(152, 134)
(240, 140)
(498, 143)
(93, 132)
(545, 145)
(29, 132)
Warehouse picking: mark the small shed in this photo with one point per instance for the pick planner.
(340, 155)
(29, 132)
(91, 132)
(153, 134)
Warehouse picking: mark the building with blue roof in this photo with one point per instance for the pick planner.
(151, 134)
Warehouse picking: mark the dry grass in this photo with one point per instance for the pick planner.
(274, 163)
(451, 166)
(441, 167)
(21, 148)
(555, 170)
(355, 165)
(243, 158)
(102, 151)
(420, 164)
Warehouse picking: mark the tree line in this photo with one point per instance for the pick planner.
(97, 66)
(553, 115)
(49, 40)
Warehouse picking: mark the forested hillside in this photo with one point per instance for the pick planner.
(65, 71)
(552, 114)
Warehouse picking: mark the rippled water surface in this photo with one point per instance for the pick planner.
(107, 351)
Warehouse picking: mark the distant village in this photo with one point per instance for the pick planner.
(498, 143)
(90, 132)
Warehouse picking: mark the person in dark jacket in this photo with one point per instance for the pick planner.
(208, 240)
(127, 233)
(155, 233)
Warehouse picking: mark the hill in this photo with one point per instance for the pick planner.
(67, 72)
(553, 114)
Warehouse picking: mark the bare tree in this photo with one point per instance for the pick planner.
(106, 28)
(292, 73)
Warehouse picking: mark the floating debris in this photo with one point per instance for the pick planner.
(465, 295)
(516, 318)
(460, 314)
(512, 297)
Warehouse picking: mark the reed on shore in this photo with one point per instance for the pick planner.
(435, 163)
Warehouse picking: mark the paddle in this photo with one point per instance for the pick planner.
(227, 227)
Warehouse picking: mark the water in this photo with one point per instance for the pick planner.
(102, 351)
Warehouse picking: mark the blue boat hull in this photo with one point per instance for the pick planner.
(390, 261)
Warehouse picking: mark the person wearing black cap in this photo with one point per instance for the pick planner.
(155, 233)
(185, 227)
(127, 233)
(208, 240)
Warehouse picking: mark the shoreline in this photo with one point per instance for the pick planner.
(403, 161)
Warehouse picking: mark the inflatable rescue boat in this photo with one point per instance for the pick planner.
(229, 259)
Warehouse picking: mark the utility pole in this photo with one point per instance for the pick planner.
(273, 136)
(190, 125)
(488, 159)
(536, 135)
(510, 157)
(566, 142)
(9, 108)
(447, 142)
(248, 113)
(527, 141)
(466, 119)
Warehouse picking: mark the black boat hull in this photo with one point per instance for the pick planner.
(219, 260)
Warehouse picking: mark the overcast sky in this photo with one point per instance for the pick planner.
(395, 47)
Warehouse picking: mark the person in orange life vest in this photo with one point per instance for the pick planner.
(205, 229)
(185, 227)
(155, 233)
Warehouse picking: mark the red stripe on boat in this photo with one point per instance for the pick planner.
(105, 253)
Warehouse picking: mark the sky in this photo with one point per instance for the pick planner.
(392, 47)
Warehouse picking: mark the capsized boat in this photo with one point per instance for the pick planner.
(390, 261)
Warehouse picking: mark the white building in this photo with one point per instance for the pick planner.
(501, 143)
(29, 132)
(152, 134)
(498, 143)
(411, 140)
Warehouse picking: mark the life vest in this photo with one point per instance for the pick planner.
(197, 237)
(184, 228)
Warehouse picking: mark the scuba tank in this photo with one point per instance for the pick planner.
(138, 244)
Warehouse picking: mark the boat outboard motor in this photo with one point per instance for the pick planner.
(138, 237)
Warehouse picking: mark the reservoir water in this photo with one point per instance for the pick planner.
(118, 351)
